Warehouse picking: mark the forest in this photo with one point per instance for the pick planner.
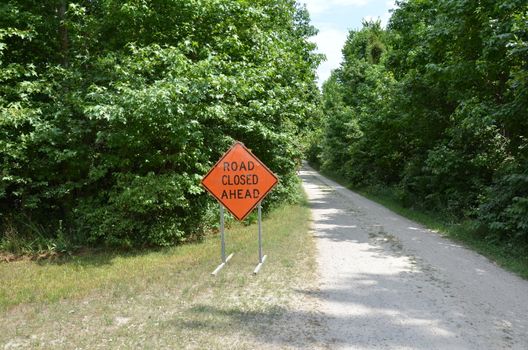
(435, 108)
(111, 112)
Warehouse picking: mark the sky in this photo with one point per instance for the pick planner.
(334, 18)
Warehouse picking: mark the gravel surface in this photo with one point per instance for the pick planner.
(389, 283)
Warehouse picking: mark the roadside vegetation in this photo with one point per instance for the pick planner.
(168, 298)
(430, 114)
(110, 114)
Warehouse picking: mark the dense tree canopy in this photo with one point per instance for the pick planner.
(111, 111)
(436, 106)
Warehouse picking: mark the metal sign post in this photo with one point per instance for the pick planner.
(261, 258)
(222, 238)
(222, 232)
(239, 181)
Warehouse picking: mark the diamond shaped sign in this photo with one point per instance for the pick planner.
(239, 181)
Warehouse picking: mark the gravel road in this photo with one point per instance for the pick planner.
(389, 283)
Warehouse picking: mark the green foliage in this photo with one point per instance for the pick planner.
(107, 127)
(504, 206)
(355, 99)
(436, 107)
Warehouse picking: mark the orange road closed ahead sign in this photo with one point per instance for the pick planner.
(239, 181)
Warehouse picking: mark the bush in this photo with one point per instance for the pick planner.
(504, 206)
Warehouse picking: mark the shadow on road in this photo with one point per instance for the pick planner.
(375, 292)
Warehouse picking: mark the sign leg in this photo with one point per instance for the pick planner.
(260, 231)
(222, 232)
(261, 257)
(222, 239)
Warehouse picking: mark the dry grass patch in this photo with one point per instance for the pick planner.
(168, 299)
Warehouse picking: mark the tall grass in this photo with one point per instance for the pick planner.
(285, 242)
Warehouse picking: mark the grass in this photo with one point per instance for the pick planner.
(506, 254)
(167, 298)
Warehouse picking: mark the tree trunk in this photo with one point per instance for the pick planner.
(63, 33)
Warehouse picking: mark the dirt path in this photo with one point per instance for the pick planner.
(389, 283)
